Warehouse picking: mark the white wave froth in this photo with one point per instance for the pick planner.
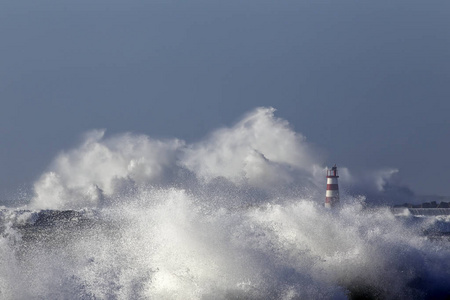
(236, 215)
(260, 153)
(167, 244)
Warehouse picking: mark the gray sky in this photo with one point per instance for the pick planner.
(367, 81)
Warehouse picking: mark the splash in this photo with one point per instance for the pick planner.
(171, 244)
(238, 215)
(260, 154)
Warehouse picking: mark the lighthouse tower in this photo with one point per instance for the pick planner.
(332, 196)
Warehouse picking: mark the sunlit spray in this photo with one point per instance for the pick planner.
(237, 215)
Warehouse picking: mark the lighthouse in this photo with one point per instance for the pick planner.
(332, 196)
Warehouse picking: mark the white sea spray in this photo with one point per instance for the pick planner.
(236, 215)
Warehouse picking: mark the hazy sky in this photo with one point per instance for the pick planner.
(366, 81)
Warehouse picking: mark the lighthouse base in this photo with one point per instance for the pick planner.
(331, 204)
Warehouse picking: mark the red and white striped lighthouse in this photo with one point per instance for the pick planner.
(332, 196)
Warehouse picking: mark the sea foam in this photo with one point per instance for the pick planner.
(237, 215)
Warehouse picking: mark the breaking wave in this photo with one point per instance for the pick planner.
(238, 215)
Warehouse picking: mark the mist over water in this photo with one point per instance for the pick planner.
(238, 215)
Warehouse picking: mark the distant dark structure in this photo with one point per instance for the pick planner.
(426, 209)
(432, 204)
